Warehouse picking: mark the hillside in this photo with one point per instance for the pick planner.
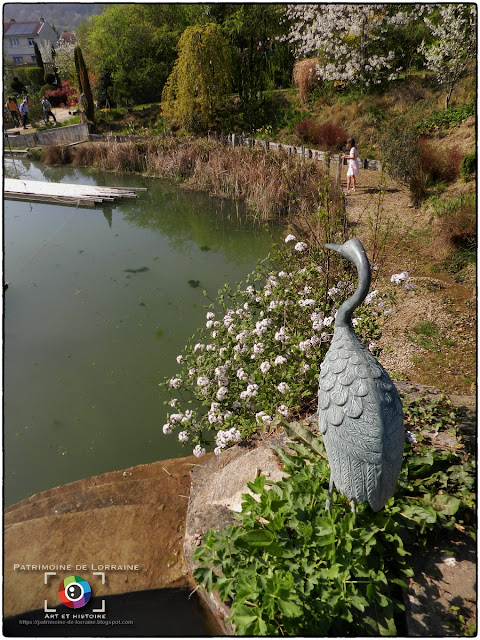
(62, 16)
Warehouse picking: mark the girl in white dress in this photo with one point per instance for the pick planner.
(353, 164)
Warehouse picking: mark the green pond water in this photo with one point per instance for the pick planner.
(100, 302)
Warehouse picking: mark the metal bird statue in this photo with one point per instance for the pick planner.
(359, 410)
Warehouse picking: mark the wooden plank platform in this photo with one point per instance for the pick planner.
(68, 194)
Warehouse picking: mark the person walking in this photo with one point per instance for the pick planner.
(353, 164)
(47, 110)
(13, 110)
(24, 112)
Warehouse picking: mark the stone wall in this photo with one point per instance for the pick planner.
(60, 135)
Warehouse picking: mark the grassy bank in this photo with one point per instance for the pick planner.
(273, 185)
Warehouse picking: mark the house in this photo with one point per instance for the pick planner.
(18, 39)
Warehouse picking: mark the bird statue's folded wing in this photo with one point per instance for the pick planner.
(360, 416)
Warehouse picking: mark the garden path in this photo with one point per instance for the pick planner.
(446, 308)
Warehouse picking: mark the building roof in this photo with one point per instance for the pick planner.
(14, 28)
(68, 36)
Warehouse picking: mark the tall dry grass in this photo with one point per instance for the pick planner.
(273, 184)
(305, 76)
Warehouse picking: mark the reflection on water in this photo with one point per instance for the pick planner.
(99, 305)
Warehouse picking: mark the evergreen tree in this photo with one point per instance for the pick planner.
(84, 83)
(38, 56)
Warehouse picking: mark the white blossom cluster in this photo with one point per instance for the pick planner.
(226, 437)
(402, 277)
(266, 355)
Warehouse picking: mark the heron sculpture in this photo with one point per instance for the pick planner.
(359, 410)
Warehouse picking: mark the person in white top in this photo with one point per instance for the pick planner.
(353, 164)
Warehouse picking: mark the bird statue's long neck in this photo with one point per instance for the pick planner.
(356, 254)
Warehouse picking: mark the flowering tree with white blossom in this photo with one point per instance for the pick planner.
(258, 357)
(454, 47)
(351, 40)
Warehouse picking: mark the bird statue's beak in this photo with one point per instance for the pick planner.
(334, 247)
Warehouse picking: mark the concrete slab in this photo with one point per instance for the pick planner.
(134, 518)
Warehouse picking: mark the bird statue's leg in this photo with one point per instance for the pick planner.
(353, 506)
(330, 492)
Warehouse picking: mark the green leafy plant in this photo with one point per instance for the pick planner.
(468, 166)
(425, 333)
(200, 79)
(84, 83)
(445, 118)
(32, 76)
(402, 154)
(292, 568)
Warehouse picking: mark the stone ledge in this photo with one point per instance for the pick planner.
(131, 517)
(217, 488)
(59, 135)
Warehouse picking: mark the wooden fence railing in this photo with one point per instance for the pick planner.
(323, 156)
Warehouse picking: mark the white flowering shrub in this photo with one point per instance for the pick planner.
(355, 43)
(454, 45)
(258, 356)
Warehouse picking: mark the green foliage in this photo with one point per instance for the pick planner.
(17, 86)
(261, 59)
(468, 166)
(84, 83)
(448, 208)
(457, 226)
(445, 118)
(402, 154)
(136, 44)
(102, 90)
(38, 55)
(460, 258)
(424, 333)
(35, 110)
(32, 77)
(292, 568)
(200, 80)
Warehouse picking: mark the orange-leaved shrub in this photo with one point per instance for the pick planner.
(439, 165)
(327, 136)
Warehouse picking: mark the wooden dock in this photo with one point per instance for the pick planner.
(76, 195)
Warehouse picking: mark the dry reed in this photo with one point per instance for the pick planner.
(57, 154)
(273, 184)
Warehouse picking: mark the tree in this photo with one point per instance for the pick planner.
(65, 61)
(260, 60)
(84, 83)
(38, 55)
(201, 77)
(351, 41)
(402, 154)
(136, 45)
(454, 46)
